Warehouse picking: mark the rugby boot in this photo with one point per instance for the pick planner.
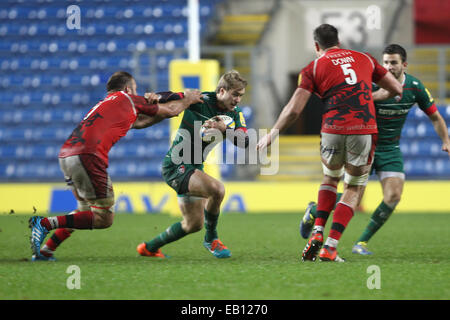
(307, 222)
(38, 234)
(143, 251)
(217, 248)
(312, 247)
(329, 254)
(361, 248)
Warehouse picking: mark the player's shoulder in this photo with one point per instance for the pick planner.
(117, 97)
(412, 81)
(236, 109)
(309, 66)
(209, 96)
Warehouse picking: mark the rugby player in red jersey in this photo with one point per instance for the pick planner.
(83, 158)
(343, 80)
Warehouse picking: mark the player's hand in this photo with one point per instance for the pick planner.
(216, 123)
(264, 142)
(193, 96)
(151, 97)
(267, 140)
(446, 147)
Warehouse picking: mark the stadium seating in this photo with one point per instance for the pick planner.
(421, 147)
(52, 75)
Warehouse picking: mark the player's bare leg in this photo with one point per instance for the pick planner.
(325, 204)
(203, 185)
(99, 216)
(192, 210)
(355, 181)
(60, 234)
(102, 218)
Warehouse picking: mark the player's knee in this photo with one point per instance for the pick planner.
(103, 203)
(196, 227)
(360, 180)
(218, 191)
(192, 225)
(83, 205)
(332, 176)
(330, 180)
(103, 212)
(392, 198)
(103, 220)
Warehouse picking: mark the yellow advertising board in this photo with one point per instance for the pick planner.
(243, 197)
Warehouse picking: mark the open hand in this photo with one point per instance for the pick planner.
(193, 96)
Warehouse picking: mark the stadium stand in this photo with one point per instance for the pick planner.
(51, 76)
(421, 147)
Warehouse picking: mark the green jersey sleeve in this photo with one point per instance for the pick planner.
(423, 96)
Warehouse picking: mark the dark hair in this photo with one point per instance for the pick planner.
(118, 81)
(395, 49)
(326, 36)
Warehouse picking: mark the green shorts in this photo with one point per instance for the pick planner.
(177, 175)
(388, 159)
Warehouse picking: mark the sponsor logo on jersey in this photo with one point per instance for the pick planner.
(388, 112)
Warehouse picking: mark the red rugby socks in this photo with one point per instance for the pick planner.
(325, 203)
(78, 220)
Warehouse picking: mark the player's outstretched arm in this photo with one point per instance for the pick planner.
(390, 88)
(287, 117)
(145, 121)
(166, 110)
(173, 108)
(441, 129)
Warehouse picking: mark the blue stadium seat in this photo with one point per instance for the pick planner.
(422, 148)
(51, 76)
(30, 171)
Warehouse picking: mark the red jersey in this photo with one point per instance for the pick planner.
(104, 125)
(343, 80)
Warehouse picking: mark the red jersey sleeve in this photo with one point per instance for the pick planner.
(306, 78)
(142, 106)
(430, 110)
(378, 70)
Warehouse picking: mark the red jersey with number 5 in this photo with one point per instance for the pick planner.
(105, 124)
(343, 80)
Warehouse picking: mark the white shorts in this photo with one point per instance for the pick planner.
(87, 175)
(338, 149)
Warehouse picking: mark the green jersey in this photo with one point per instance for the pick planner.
(189, 129)
(391, 113)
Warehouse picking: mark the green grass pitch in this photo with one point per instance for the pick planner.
(411, 251)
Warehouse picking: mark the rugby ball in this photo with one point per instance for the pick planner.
(229, 122)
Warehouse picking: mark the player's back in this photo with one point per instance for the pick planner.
(343, 79)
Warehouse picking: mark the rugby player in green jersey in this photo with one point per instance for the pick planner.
(388, 161)
(200, 195)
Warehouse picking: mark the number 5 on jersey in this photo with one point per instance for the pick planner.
(348, 71)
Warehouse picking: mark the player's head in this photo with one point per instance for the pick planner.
(394, 59)
(230, 89)
(121, 81)
(325, 36)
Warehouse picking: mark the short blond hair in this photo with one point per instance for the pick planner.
(231, 80)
